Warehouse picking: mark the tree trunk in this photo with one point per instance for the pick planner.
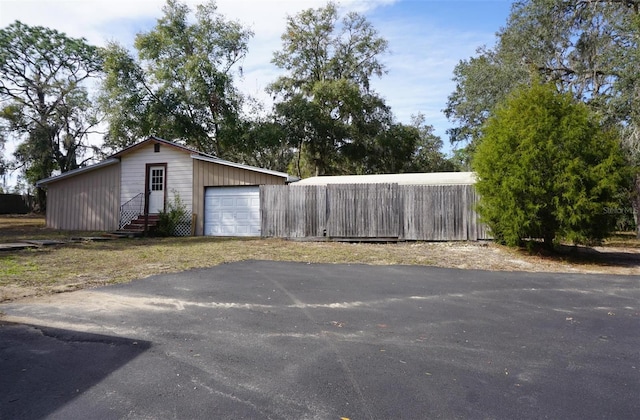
(635, 203)
(40, 201)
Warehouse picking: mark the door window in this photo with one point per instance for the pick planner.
(157, 179)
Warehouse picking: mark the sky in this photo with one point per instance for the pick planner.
(427, 38)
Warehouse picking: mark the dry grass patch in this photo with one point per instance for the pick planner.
(89, 264)
(623, 240)
(44, 270)
(15, 228)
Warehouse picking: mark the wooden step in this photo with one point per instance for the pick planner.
(124, 234)
(140, 223)
(136, 227)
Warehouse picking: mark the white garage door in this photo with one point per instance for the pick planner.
(232, 211)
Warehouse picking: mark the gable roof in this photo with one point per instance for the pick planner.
(193, 153)
(74, 172)
(158, 140)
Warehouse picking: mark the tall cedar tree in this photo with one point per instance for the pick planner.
(548, 170)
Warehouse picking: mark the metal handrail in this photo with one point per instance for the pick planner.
(131, 209)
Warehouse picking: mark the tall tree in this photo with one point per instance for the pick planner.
(326, 96)
(581, 46)
(625, 105)
(181, 84)
(407, 148)
(264, 141)
(4, 162)
(588, 48)
(548, 169)
(45, 104)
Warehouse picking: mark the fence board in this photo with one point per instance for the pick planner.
(306, 208)
(407, 212)
(273, 211)
(362, 211)
(439, 212)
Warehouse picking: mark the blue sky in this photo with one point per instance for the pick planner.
(427, 38)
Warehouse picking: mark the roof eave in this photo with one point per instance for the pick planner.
(107, 162)
(242, 166)
(433, 178)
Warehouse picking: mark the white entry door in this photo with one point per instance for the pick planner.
(232, 211)
(156, 189)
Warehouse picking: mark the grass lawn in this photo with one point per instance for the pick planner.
(92, 263)
(87, 264)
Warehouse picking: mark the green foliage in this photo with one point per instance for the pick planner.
(587, 48)
(264, 145)
(590, 49)
(181, 85)
(325, 93)
(170, 219)
(45, 105)
(461, 159)
(262, 139)
(547, 170)
(318, 46)
(5, 165)
(330, 115)
(481, 83)
(406, 148)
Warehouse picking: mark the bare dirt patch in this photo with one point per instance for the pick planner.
(489, 256)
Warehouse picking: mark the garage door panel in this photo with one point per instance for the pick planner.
(232, 211)
(243, 216)
(243, 201)
(227, 202)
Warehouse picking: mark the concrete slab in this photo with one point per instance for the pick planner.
(45, 242)
(93, 238)
(14, 246)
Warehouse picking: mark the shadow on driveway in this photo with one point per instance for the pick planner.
(44, 368)
(273, 340)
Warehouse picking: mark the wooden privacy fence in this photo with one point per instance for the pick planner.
(371, 211)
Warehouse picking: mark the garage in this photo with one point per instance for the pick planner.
(232, 211)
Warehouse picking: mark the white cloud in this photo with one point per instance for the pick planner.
(423, 51)
(420, 66)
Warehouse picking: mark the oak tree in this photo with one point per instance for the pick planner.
(325, 98)
(181, 84)
(46, 107)
(588, 48)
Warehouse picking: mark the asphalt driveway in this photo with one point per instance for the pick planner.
(267, 340)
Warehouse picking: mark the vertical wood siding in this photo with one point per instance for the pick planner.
(211, 174)
(88, 202)
(406, 212)
(178, 175)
